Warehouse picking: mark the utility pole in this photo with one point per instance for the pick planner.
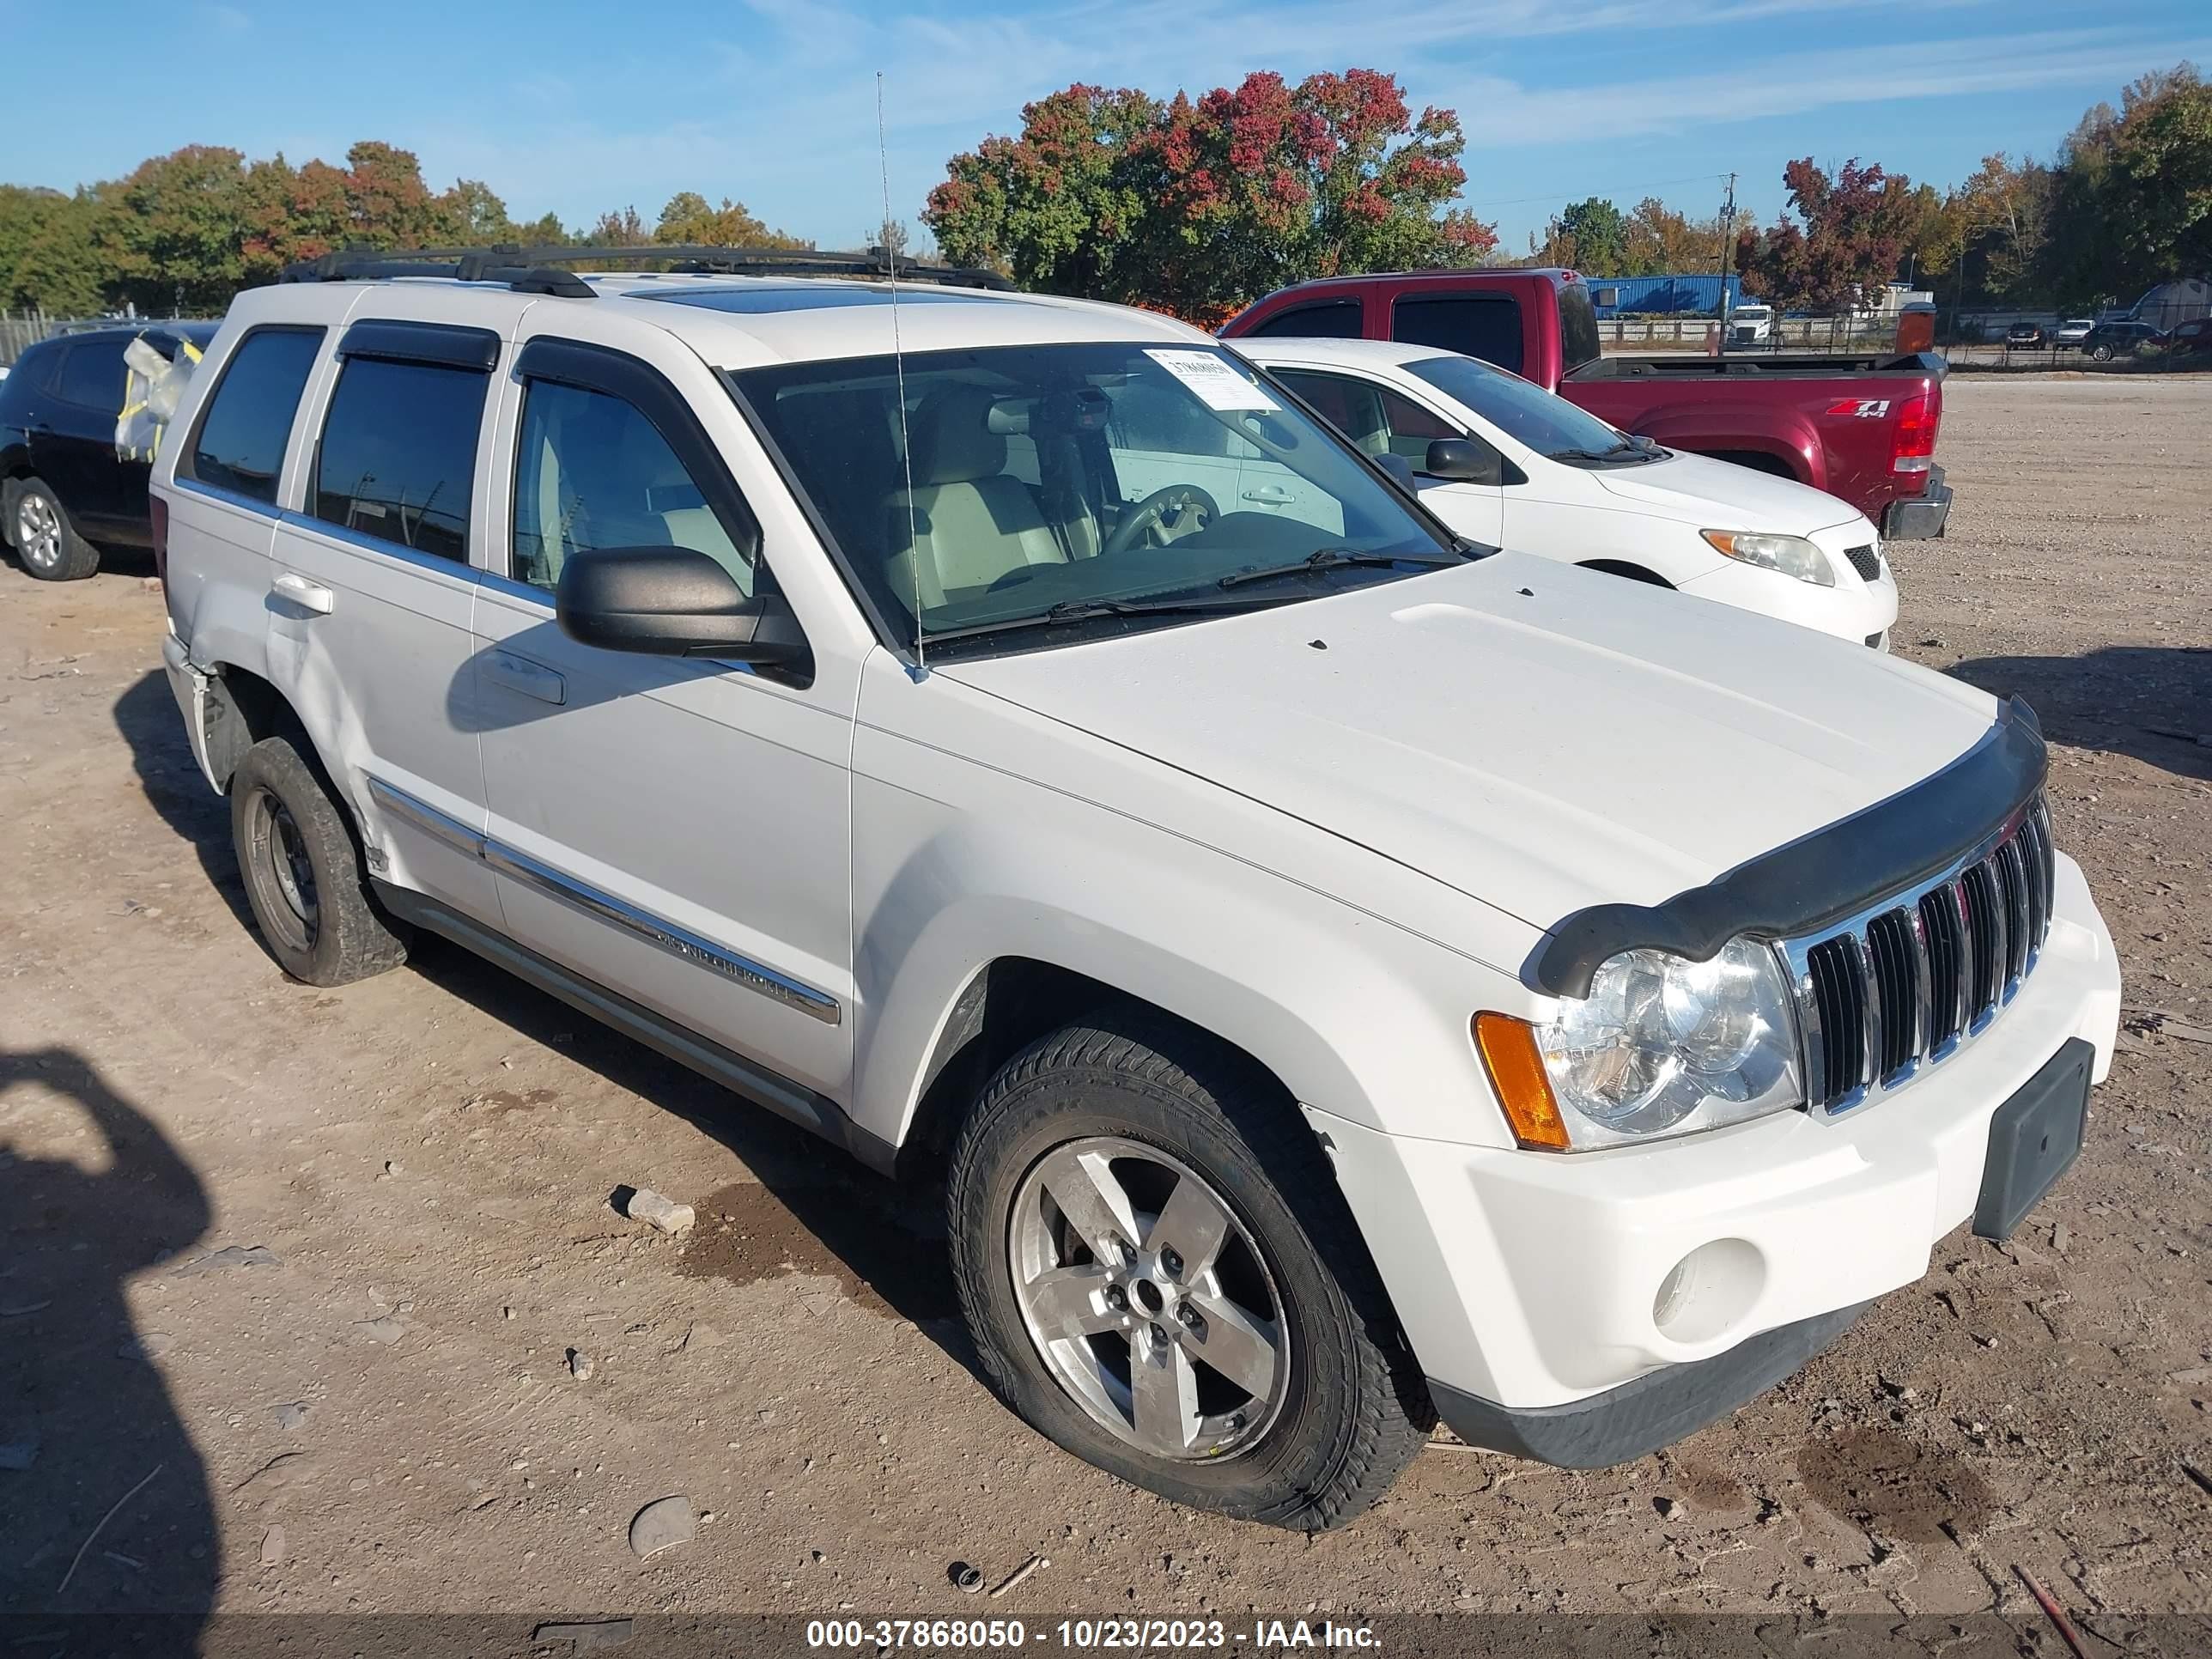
(1727, 238)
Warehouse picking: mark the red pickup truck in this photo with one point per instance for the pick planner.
(1860, 428)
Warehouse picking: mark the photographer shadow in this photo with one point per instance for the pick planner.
(109, 1524)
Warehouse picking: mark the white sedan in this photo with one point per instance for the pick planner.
(1504, 462)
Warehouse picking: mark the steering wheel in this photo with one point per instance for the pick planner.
(1165, 510)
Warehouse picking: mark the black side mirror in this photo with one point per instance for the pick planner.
(672, 602)
(1460, 460)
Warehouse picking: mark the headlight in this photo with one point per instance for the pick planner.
(1661, 1046)
(1793, 556)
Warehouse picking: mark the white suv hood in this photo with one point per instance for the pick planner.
(1541, 737)
(1721, 495)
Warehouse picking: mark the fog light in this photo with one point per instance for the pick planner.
(1674, 1291)
(1709, 1290)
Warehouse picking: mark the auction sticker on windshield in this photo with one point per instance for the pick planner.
(1218, 385)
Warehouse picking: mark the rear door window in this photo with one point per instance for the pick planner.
(398, 454)
(35, 369)
(1379, 420)
(239, 445)
(92, 375)
(1330, 320)
(1483, 325)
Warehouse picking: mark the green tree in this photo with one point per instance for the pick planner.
(389, 204)
(1592, 236)
(46, 258)
(688, 219)
(173, 232)
(2003, 215)
(622, 230)
(2132, 202)
(1057, 208)
(1200, 205)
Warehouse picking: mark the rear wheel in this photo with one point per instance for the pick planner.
(1161, 1275)
(45, 538)
(302, 872)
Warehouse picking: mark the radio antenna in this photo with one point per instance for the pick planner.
(898, 364)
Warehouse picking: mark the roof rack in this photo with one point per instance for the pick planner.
(538, 269)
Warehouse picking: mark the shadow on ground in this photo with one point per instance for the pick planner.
(147, 716)
(2151, 703)
(816, 1210)
(104, 1497)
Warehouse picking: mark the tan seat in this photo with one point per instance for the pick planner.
(971, 524)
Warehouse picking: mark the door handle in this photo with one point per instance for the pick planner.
(1273, 494)
(308, 596)
(527, 678)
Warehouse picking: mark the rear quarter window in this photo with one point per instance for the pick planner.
(1579, 341)
(33, 371)
(1482, 324)
(239, 445)
(1327, 320)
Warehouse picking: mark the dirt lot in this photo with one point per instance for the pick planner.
(369, 1407)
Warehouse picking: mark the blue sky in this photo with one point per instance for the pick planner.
(578, 107)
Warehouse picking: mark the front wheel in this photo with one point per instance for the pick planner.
(2102, 354)
(1161, 1275)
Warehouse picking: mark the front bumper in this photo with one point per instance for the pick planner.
(1527, 1281)
(1856, 611)
(1922, 517)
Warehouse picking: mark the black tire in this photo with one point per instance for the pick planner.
(1354, 1410)
(302, 871)
(44, 537)
(2101, 352)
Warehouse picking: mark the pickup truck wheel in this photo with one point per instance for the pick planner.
(302, 873)
(1161, 1275)
(48, 543)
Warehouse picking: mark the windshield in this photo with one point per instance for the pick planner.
(1047, 483)
(1551, 426)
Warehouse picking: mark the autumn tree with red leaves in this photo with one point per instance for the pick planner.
(1844, 246)
(1201, 205)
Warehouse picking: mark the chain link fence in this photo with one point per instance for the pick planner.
(21, 330)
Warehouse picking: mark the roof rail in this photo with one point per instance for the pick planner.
(538, 269)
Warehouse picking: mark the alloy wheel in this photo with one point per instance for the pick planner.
(1149, 1301)
(38, 532)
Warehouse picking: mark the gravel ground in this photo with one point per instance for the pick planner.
(368, 1405)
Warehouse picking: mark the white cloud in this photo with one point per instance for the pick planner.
(783, 116)
(1501, 113)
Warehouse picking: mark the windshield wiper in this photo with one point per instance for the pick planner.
(1071, 611)
(1334, 558)
(1642, 448)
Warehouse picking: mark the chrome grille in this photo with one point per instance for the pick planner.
(1866, 559)
(1903, 984)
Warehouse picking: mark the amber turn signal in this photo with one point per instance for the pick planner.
(1508, 1047)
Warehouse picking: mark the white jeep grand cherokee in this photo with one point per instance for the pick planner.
(1350, 976)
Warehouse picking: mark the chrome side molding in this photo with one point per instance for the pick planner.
(656, 930)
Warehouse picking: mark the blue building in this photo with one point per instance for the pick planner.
(1675, 296)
